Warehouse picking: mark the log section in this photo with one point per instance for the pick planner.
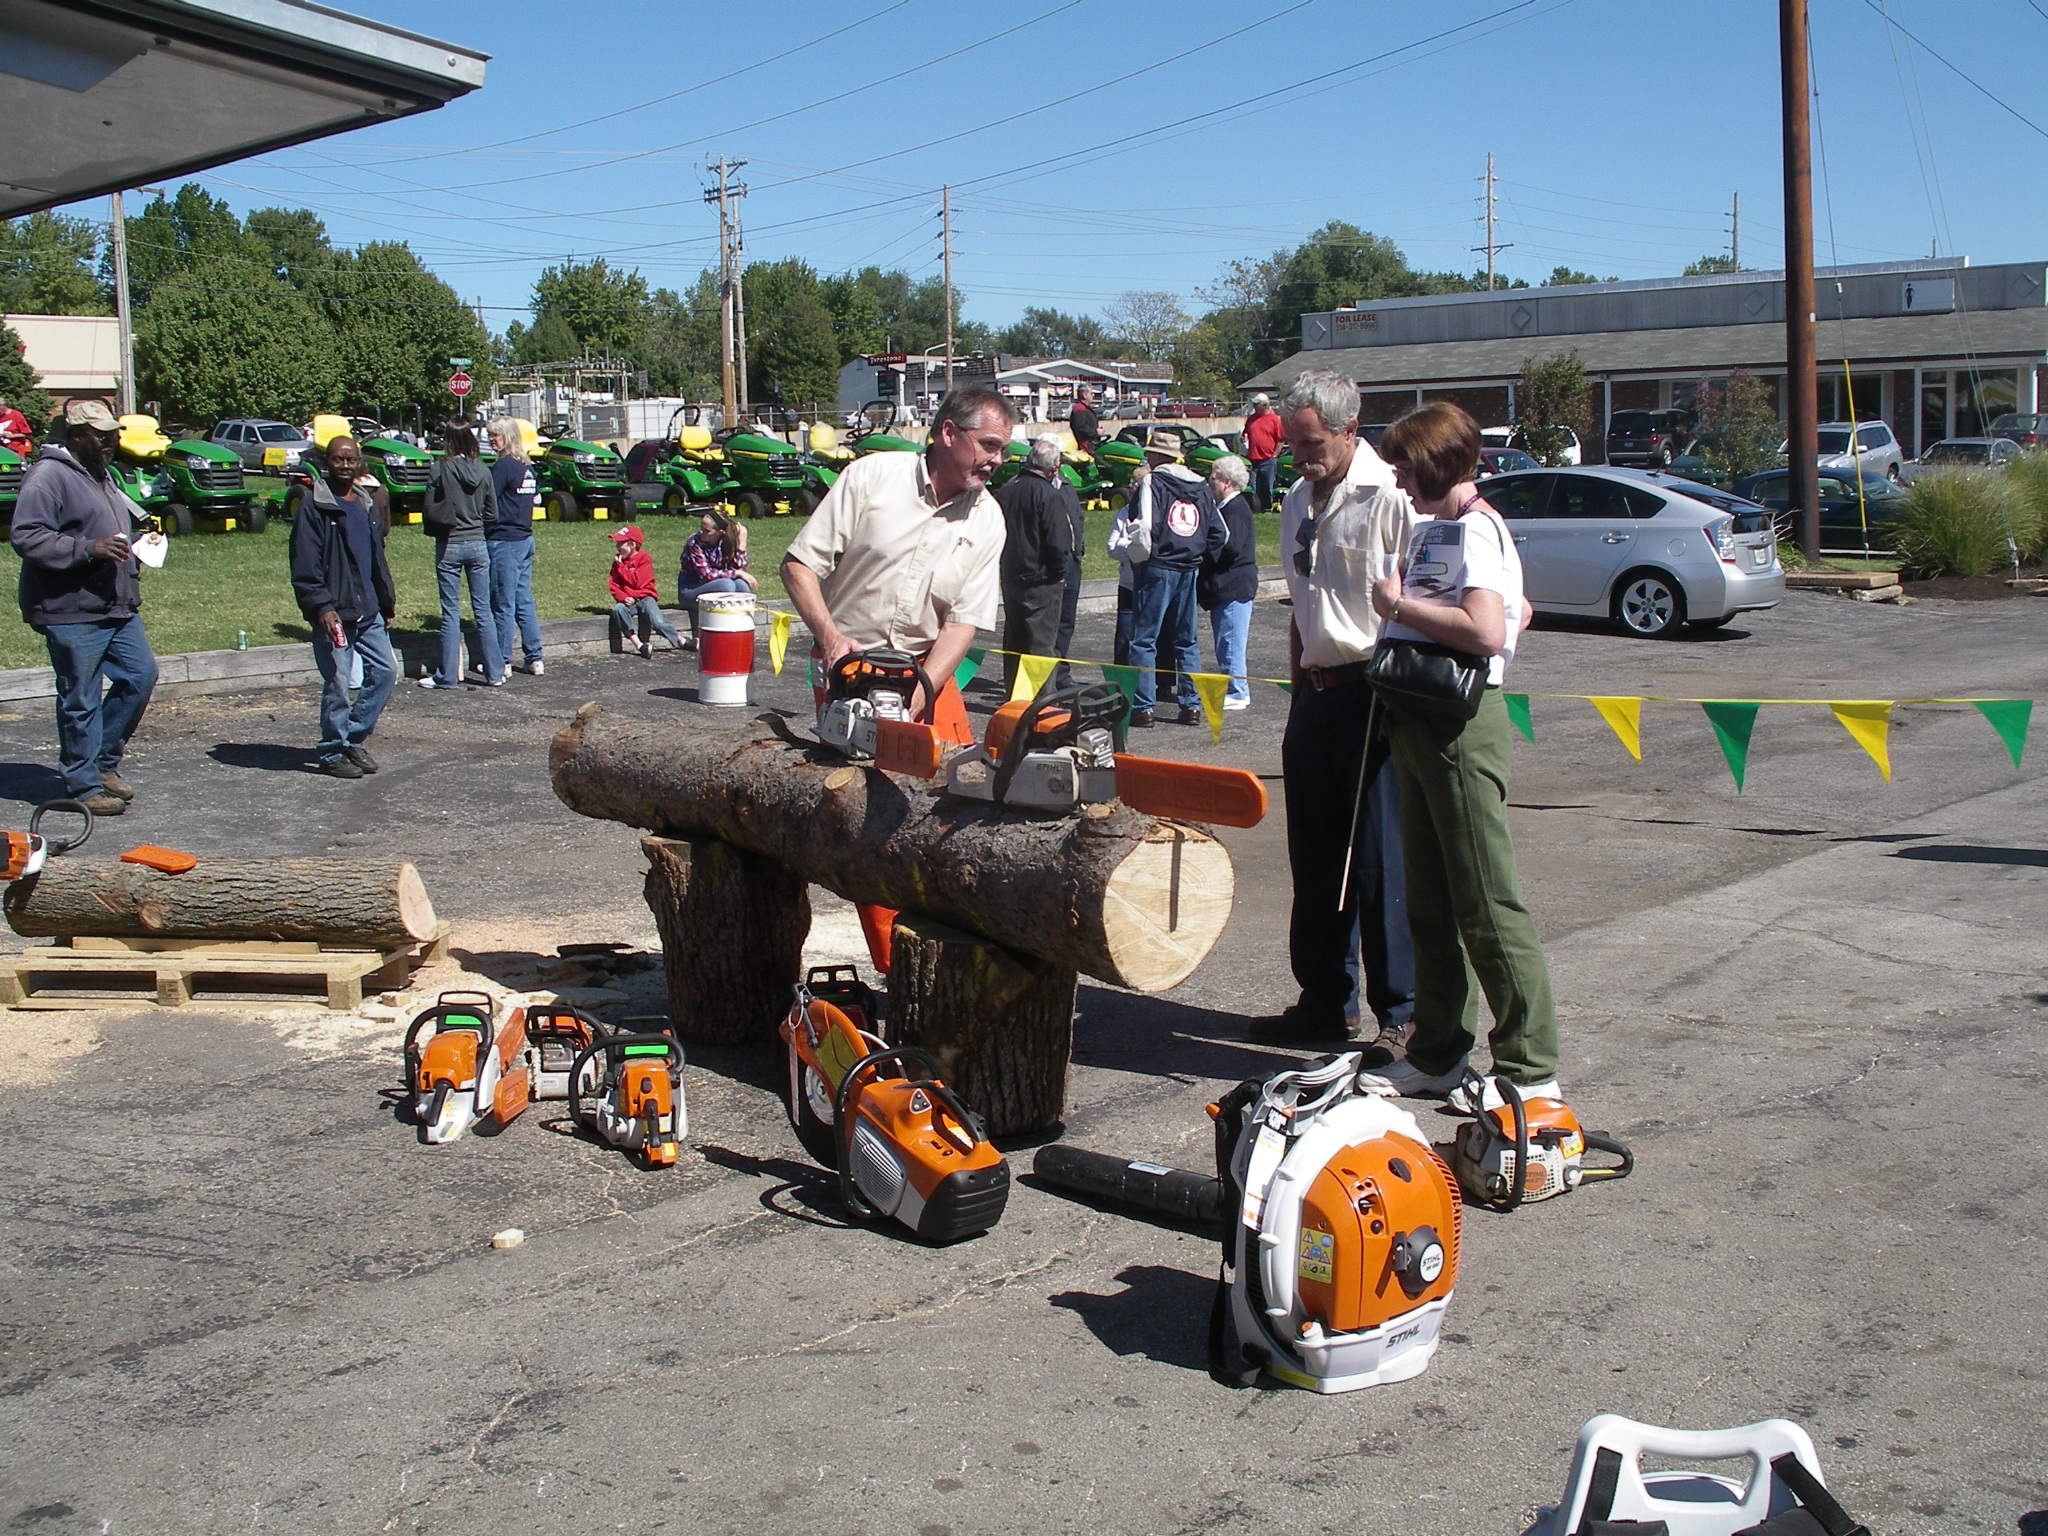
(372, 903)
(1000, 1025)
(732, 928)
(1109, 892)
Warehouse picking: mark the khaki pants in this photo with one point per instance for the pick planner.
(1465, 909)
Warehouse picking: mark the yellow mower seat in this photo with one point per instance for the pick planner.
(142, 438)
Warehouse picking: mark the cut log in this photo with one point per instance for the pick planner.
(1000, 1025)
(1108, 892)
(732, 928)
(370, 903)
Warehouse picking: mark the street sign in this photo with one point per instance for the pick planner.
(460, 385)
(458, 362)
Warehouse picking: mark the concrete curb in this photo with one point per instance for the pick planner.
(291, 666)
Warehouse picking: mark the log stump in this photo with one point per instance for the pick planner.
(374, 903)
(732, 926)
(1000, 1024)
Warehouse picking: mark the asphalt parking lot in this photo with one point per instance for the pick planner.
(242, 1297)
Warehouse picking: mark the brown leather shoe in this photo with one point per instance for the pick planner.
(114, 784)
(105, 803)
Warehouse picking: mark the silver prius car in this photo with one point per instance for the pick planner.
(1652, 552)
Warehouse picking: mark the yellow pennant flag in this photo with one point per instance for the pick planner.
(778, 640)
(1032, 671)
(1625, 717)
(1870, 722)
(1212, 686)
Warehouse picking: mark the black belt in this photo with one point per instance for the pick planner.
(1321, 678)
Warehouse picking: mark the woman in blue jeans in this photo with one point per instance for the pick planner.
(714, 560)
(1230, 577)
(460, 510)
(511, 545)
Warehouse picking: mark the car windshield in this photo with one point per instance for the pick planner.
(1959, 453)
(1726, 501)
(1834, 442)
(278, 434)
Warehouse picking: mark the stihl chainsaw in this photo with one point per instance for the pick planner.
(28, 851)
(463, 1066)
(1064, 749)
(1527, 1149)
(627, 1090)
(867, 718)
(556, 1035)
(903, 1144)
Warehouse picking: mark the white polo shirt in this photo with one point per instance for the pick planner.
(1367, 521)
(895, 564)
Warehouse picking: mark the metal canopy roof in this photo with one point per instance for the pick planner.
(103, 95)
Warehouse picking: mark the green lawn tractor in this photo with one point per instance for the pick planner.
(579, 480)
(186, 482)
(883, 442)
(1116, 464)
(11, 468)
(402, 470)
(692, 471)
(769, 477)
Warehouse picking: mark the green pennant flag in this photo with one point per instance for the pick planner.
(1732, 721)
(970, 664)
(1518, 711)
(1125, 678)
(2009, 718)
(1286, 688)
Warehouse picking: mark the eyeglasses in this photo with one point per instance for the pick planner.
(1305, 548)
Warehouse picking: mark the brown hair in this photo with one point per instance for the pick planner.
(460, 443)
(1438, 444)
(727, 533)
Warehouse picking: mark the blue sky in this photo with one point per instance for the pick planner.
(1620, 129)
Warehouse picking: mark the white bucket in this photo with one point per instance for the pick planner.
(725, 647)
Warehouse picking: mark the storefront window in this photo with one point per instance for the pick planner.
(1933, 409)
(1488, 407)
(1981, 397)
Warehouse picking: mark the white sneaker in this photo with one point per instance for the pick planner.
(1229, 703)
(1397, 1079)
(536, 668)
(646, 649)
(429, 682)
(1461, 1096)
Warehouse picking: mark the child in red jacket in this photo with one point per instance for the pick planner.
(636, 600)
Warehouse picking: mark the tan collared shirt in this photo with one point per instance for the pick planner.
(1366, 522)
(894, 563)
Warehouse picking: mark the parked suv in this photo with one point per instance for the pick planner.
(2028, 428)
(1651, 438)
(252, 440)
(1874, 448)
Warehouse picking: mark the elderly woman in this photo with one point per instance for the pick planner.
(511, 546)
(714, 560)
(1462, 588)
(1229, 577)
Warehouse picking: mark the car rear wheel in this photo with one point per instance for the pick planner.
(1649, 604)
(1892, 473)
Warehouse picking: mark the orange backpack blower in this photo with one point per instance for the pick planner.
(903, 1144)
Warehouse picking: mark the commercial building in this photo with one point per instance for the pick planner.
(76, 356)
(1042, 387)
(1935, 348)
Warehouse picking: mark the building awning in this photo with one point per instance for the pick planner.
(104, 95)
(2012, 336)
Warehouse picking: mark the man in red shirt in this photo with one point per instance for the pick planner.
(636, 598)
(1263, 434)
(14, 430)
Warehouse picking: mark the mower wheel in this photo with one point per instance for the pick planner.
(562, 508)
(1118, 500)
(177, 520)
(812, 1130)
(752, 504)
(259, 517)
(804, 502)
(675, 503)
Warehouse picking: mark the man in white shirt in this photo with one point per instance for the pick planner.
(904, 550)
(1342, 525)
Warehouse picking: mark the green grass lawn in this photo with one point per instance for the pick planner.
(215, 584)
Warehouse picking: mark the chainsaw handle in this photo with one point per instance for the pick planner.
(1600, 1141)
(610, 1043)
(58, 845)
(437, 1015)
(842, 1122)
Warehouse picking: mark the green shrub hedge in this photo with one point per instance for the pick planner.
(1956, 523)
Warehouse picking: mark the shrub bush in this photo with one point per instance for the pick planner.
(1956, 523)
(2027, 491)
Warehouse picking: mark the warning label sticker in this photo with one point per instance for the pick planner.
(1318, 1255)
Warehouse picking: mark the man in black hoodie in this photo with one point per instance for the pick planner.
(344, 588)
(81, 590)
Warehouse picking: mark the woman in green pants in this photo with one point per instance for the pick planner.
(1461, 586)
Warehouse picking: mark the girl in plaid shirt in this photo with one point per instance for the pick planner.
(714, 560)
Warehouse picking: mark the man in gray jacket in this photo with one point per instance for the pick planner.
(81, 590)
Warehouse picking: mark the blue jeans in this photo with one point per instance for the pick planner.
(634, 620)
(1163, 615)
(1231, 624)
(92, 732)
(451, 562)
(343, 724)
(512, 598)
(686, 595)
(1265, 472)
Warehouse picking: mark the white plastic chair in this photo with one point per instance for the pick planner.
(1689, 1503)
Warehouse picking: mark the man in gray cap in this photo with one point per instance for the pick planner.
(81, 590)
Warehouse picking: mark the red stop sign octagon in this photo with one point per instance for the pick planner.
(460, 385)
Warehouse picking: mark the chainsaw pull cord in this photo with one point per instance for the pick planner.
(58, 845)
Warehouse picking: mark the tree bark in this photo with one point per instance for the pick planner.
(1108, 892)
(374, 903)
(732, 928)
(1000, 1025)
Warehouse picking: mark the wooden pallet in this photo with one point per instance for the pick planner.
(169, 973)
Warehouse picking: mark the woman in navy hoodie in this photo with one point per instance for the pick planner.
(511, 544)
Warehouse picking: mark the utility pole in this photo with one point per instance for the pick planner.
(121, 308)
(1802, 385)
(946, 214)
(1735, 233)
(739, 306)
(1491, 246)
(728, 280)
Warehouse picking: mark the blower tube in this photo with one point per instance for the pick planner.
(1169, 1192)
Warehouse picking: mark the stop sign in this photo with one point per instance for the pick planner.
(460, 385)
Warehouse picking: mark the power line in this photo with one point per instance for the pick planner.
(1957, 72)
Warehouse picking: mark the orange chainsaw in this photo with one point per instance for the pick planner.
(904, 1145)
(556, 1034)
(1527, 1149)
(1064, 749)
(627, 1090)
(866, 714)
(462, 1066)
(28, 851)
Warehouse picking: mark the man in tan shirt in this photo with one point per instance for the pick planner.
(905, 548)
(1341, 526)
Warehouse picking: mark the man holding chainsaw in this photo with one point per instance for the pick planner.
(904, 550)
(1341, 526)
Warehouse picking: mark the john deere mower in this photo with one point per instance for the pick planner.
(692, 470)
(579, 480)
(11, 469)
(769, 477)
(185, 482)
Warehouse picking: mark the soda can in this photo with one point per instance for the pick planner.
(241, 639)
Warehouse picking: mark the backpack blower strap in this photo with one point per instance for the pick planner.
(1228, 1113)
(1818, 1515)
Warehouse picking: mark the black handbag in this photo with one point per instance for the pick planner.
(1424, 678)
